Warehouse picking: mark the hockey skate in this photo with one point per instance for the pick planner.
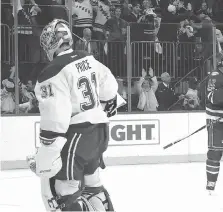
(31, 163)
(211, 188)
(213, 199)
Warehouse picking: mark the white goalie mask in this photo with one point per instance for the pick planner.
(54, 35)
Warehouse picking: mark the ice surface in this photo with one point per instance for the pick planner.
(149, 188)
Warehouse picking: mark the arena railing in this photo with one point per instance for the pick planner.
(125, 65)
(111, 57)
(5, 43)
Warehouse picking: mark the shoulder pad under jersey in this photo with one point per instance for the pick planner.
(59, 63)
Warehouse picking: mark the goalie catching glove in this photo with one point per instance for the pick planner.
(48, 158)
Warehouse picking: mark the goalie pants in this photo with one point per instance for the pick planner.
(82, 153)
(81, 159)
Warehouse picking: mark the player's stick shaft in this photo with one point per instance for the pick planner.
(179, 140)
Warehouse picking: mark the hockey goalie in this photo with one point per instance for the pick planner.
(74, 124)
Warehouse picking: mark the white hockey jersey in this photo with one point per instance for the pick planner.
(103, 14)
(69, 91)
(82, 13)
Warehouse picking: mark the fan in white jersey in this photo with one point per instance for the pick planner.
(102, 10)
(74, 126)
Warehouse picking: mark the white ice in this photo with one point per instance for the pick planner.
(149, 188)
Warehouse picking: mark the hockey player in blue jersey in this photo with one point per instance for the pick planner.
(74, 125)
(214, 111)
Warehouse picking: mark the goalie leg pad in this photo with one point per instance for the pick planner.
(96, 194)
(99, 198)
(48, 195)
(69, 194)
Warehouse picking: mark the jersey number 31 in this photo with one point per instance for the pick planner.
(91, 96)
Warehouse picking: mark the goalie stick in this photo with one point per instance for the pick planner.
(198, 130)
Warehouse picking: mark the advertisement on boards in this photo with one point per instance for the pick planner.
(126, 132)
(134, 132)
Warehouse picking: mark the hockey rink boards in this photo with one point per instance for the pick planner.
(178, 187)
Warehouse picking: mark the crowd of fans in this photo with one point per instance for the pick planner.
(100, 27)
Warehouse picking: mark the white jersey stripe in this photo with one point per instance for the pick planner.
(68, 157)
(72, 164)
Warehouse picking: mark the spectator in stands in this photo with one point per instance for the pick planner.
(169, 23)
(147, 4)
(186, 49)
(7, 94)
(134, 15)
(179, 6)
(130, 9)
(206, 34)
(191, 99)
(28, 102)
(148, 17)
(27, 91)
(171, 15)
(86, 44)
(26, 19)
(219, 41)
(82, 14)
(115, 31)
(115, 27)
(204, 9)
(146, 88)
(102, 10)
(182, 8)
(126, 7)
(29, 107)
(165, 93)
(186, 33)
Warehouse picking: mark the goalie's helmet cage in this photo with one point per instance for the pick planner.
(53, 37)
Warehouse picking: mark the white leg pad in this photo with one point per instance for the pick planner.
(66, 187)
(47, 196)
(93, 180)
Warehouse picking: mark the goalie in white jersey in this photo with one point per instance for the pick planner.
(74, 126)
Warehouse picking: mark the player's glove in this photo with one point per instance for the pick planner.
(48, 158)
(111, 107)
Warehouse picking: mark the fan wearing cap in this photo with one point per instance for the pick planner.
(165, 93)
(134, 15)
(214, 111)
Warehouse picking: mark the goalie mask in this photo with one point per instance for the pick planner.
(54, 35)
